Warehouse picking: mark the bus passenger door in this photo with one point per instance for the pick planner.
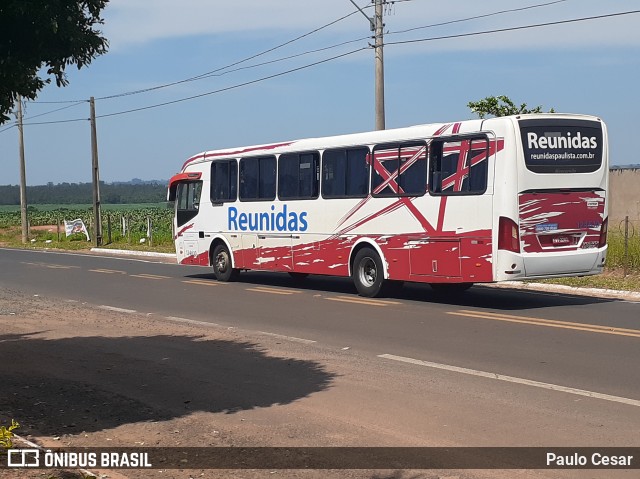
(186, 235)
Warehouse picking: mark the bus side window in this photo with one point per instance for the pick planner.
(258, 179)
(459, 166)
(298, 176)
(412, 179)
(479, 165)
(224, 181)
(400, 169)
(435, 167)
(345, 173)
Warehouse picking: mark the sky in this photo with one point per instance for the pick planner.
(590, 67)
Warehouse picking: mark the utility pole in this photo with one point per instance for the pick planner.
(379, 47)
(377, 26)
(23, 177)
(97, 227)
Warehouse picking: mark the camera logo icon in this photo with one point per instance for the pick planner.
(23, 458)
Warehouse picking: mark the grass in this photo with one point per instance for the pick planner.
(11, 238)
(612, 278)
(49, 238)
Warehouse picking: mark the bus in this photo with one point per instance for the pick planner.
(450, 204)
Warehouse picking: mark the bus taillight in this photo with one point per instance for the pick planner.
(603, 233)
(508, 235)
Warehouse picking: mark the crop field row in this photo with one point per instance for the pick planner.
(124, 225)
(129, 225)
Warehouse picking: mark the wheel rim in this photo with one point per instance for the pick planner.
(222, 262)
(368, 272)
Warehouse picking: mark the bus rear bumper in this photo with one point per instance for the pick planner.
(512, 266)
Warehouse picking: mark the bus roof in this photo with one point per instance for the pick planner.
(364, 138)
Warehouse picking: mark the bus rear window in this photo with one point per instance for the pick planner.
(561, 146)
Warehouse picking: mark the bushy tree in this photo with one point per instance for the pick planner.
(39, 39)
(501, 105)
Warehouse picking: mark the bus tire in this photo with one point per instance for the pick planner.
(222, 264)
(368, 273)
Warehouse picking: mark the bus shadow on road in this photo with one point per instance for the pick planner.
(70, 385)
(479, 296)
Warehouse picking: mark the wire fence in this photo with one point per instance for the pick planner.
(153, 227)
(150, 226)
(624, 246)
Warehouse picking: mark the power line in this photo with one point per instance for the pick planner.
(220, 71)
(47, 113)
(510, 29)
(54, 122)
(277, 60)
(216, 74)
(233, 87)
(59, 102)
(501, 12)
(486, 32)
(8, 128)
(204, 75)
(210, 73)
(56, 110)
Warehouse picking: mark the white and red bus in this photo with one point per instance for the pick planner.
(477, 201)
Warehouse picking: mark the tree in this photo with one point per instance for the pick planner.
(501, 106)
(39, 39)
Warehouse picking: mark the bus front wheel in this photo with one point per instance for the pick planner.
(222, 264)
(367, 273)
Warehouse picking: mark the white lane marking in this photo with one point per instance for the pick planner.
(288, 338)
(117, 310)
(190, 321)
(511, 379)
(203, 323)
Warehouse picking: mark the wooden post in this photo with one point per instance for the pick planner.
(95, 176)
(626, 246)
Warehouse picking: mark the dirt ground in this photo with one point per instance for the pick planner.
(75, 375)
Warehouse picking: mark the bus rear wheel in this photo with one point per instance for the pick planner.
(222, 264)
(368, 273)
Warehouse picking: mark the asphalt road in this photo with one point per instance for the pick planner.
(505, 367)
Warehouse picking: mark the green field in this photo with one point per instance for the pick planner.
(105, 207)
(45, 232)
